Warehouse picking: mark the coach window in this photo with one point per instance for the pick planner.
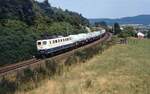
(44, 42)
(55, 41)
(49, 42)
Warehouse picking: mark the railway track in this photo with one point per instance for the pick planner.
(15, 67)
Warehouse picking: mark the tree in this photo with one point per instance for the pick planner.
(127, 32)
(117, 29)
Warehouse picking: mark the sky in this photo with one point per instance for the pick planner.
(104, 8)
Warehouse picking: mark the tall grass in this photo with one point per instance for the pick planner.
(122, 69)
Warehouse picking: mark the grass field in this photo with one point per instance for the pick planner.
(122, 69)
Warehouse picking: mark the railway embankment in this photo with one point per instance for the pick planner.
(31, 76)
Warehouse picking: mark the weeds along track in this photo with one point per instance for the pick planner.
(25, 64)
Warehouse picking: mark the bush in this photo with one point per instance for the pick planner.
(7, 87)
(127, 32)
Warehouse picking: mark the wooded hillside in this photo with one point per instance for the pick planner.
(22, 22)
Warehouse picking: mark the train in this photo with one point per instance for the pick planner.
(50, 46)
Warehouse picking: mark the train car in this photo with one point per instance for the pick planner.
(46, 47)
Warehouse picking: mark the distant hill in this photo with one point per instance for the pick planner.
(140, 19)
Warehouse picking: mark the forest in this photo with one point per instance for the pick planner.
(22, 22)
